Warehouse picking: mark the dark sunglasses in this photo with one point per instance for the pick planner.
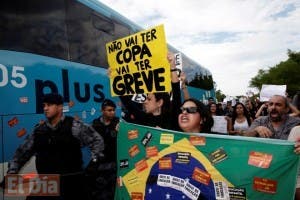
(189, 109)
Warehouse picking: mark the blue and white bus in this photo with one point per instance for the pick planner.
(59, 46)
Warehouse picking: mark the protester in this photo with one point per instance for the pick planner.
(251, 109)
(228, 109)
(210, 101)
(296, 100)
(294, 136)
(224, 124)
(277, 124)
(262, 111)
(294, 111)
(213, 109)
(57, 143)
(194, 117)
(184, 89)
(240, 121)
(220, 110)
(158, 110)
(102, 182)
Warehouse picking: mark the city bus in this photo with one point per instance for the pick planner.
(59, 46)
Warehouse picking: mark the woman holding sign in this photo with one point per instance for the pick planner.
(222, 124)
(154, 111)
(158, 110)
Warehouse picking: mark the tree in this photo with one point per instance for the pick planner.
(202, 81)
(220, 96)
(284, 73)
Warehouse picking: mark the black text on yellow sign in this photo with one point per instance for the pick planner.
(138, 63)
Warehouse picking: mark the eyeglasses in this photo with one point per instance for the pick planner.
(190, 110)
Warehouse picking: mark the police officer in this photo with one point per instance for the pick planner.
(57, 143)
(103, 181)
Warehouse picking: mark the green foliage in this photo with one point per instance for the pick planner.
(284, 73)
(220, 96)
(201, 81)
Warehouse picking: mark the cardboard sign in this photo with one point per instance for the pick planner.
(267, 91)
(220, 124)
(139, 63)
(139, 98)
(178, 61)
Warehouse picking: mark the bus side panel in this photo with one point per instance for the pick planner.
(1, 150)
(200, 94)
(16, 128)
(29, 76)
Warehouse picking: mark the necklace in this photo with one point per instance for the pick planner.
(240, 120)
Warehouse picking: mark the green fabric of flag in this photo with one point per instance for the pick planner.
(162, 164)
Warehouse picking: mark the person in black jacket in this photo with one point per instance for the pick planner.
(102, 183)
(56, 144)
(157, 110)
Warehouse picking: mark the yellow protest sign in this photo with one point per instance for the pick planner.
(138, 63)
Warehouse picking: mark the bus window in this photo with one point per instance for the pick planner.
(88, 34)
(121, 30)
(102, 24)
(38, 27)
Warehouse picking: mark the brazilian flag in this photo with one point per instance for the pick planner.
(162, 164)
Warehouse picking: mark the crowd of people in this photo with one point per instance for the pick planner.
(273, 119)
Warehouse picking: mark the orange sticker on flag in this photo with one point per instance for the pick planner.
(197, 140)
(132, 134)
(265, 185)
(141, 165)
(151, 151)
(134, 150)
(136, 196)
(201, 176)
(259, 159)
(165, 163)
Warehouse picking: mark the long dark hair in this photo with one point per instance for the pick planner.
(296, 100)
(166, 101)
(207, 120)
(218, 111)
(246, 113)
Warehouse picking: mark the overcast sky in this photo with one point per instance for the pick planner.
(231, 38)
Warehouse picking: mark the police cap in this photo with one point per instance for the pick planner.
(53, 98)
